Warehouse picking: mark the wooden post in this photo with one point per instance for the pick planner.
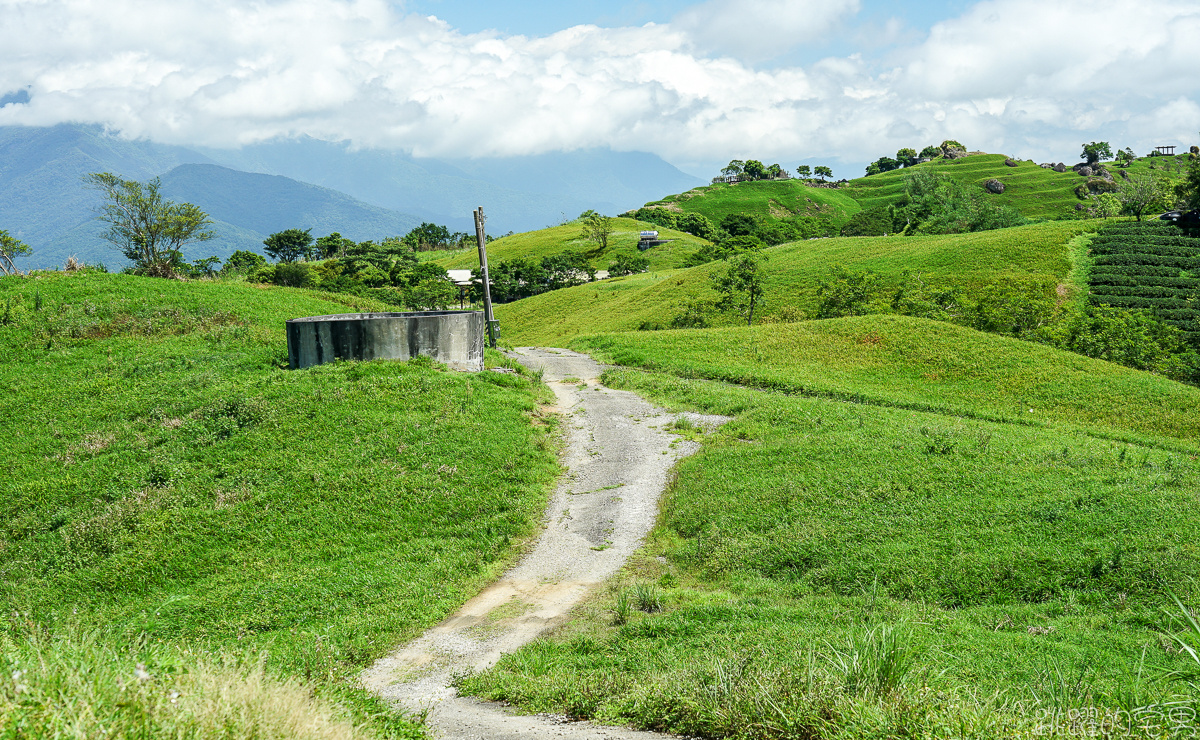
(492, 329)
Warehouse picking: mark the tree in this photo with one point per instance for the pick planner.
(845, 292)
(775, 172)
(883, 164)
(734, 168)
(597, 229)
(907, 157)
(822, 172)
(428, 237)
(1125, 157)
(11, 248)
(289, 245)
(1097, 151)
(331, 246)
(740, 287)
(243, 261)
(1188, 190)
(754, 170)
(628, 264)
(931, 152)
(1140, 193)
(148, 230)
(804, 172)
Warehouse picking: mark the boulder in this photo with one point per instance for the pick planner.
(954, 152)
(1009, 163)
(1083, 169)
(1046, 166)
(1124, 175)
(994, 186)
(1060, 167)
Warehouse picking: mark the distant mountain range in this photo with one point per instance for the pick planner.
(303, 183)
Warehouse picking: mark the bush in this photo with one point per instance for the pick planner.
(628, 264)
(845, 292)
(875, 221)
(295, 275)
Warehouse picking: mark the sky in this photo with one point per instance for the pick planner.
(835, 82)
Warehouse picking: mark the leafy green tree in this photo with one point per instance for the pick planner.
(883, 164)
(907, 157)
(628, 264)
(735, 168)
(243, 261)
(739, 224)
(333, 245)
(295, 275)
(845, 292)
(775, 172)
(804, 172)
(289, 245)
(1125, 157)
(754, 170)
(1188, 190)
(931, 152)
(597, 229)
(740, 286)
(11, 248)
(822, 172)
(428, 237)
(660, 217)
(696, 224)
(1141, 193)
(204, 267)
(1097, 151)
(1103, 205)
(149, 231)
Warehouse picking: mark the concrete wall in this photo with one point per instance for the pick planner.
(452, 337)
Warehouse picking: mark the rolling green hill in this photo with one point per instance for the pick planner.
(773, 199)
(555, 239)
(1034, 191)
(174, 496)
(908, 529)
(1039, 253)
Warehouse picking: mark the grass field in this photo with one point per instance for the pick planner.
(1027, 254)
(884, 543)
(1036, 192)
(771, 199)
(556, 239)
(167, 478)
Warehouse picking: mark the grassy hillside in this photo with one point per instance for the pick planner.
(1037, 253)
(1032, 190)
(555, 239)
(169, 482)
(886, 542)
(774, 199)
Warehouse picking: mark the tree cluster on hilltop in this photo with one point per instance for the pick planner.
(752, 170)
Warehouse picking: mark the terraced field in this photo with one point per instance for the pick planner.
(1148, 265)
(773, 199)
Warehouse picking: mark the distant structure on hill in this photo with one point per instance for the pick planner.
(1167, 150)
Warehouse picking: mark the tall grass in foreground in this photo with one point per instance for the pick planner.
(75, 683)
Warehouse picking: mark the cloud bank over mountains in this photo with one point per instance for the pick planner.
(1027, 77)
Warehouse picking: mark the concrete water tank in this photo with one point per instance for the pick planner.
(451, 337)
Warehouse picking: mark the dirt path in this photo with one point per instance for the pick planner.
(617, 458)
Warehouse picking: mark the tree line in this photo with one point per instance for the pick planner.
(752, 169)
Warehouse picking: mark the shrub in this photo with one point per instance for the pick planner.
(845, 292)
(628, 264)
(295, 275)
(875, 221)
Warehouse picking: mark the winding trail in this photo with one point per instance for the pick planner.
(617, 458)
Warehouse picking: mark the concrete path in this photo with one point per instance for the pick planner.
(617, 459)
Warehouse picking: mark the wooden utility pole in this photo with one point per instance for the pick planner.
(492, 329)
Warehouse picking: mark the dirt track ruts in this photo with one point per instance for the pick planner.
(618, 455)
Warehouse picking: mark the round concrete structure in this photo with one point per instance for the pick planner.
(452, 337)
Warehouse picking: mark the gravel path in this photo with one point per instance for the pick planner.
(617, 458)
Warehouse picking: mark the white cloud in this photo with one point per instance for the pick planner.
(761, 29)
(1030, 77)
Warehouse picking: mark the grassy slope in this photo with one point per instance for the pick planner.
(1035, 192)
(1037, 252)
(1022, 569)
(774, 199)
(1032, 190)
(555, 239)
(165, 476)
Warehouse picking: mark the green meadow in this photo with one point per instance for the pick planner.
(1039, 254)
(556, 239)
(768, 199)
(907, 530)
(175, 498)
